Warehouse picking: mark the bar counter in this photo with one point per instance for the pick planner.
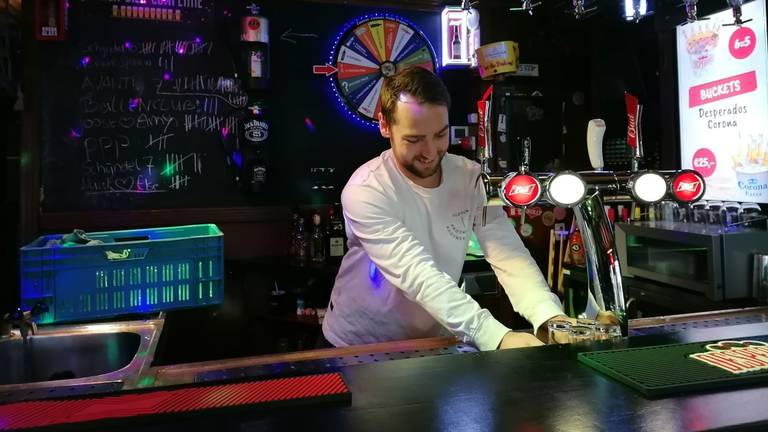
(530, 389)
(439, 384)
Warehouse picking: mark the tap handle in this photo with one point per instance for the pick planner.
(526, 160)
(595, 132)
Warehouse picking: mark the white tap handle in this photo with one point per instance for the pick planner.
(595, 132)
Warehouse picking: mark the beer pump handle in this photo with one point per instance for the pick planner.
(525, 161)
(595, 132)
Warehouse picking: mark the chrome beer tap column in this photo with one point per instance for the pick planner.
(584, 192)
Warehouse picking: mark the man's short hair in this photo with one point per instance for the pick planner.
(419, 83)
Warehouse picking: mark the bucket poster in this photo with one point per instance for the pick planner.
(723, 103)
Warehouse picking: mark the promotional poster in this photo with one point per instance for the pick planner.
(724, 103)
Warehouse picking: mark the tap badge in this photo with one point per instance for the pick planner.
(520, 190)
(688, 186)
(736, 357)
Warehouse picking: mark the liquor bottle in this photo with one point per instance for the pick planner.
(294, 232)
(300, 241)
(256, 132)
(317, 243)
(456, 43)
(335, 237)
(254, 41)
(258, 172)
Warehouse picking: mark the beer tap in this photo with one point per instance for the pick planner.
(584, 192)
(524, 163)
(485, 145)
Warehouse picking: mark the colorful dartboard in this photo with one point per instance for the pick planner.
(371, 49)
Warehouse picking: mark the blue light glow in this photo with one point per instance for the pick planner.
(375, 276)
(237, 157)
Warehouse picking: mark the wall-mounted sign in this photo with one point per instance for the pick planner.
(460, 29)
(723, 102)
(50, 19)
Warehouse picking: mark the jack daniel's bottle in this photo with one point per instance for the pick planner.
(256, 132)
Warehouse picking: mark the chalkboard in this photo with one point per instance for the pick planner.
(94, 160)
(140, 113)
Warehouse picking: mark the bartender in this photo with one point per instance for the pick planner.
(409, 215)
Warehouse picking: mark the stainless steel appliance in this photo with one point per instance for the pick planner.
(705, 259)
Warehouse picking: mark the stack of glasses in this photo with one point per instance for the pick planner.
(582, 330)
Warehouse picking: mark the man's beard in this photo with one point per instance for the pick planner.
(425, 173)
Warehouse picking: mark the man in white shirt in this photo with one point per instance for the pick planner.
(409, 216)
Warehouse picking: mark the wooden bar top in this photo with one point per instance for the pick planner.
(186, 373)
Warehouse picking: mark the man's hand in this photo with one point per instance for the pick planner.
(543, 332)
(519, 340)
(603, 317)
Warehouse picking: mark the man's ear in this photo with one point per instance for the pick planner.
(383, 126)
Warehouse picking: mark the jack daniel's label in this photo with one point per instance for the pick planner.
(256, 131)
(259, 174)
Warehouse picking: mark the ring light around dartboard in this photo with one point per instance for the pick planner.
(369, 50)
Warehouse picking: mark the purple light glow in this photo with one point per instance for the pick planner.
(224, 132)
(128, 45)
(198, 39)
(74, 133)
(310, 125)
(85, 60)
(167, 76)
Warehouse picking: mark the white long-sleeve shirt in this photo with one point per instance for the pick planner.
(407, 246)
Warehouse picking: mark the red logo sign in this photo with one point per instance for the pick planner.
(254, 24)
(520, 190)
(632, 111)
(688, 186)
(736, 357)
(722, 89)
(742, 43)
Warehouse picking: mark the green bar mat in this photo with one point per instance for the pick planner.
(658, 371)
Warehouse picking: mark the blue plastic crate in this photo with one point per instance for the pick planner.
(133, 271)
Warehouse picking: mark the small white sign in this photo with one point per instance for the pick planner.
(527, 69)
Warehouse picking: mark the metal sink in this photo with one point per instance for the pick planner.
(77, 359)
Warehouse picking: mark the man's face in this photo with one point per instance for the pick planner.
(419, 138)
